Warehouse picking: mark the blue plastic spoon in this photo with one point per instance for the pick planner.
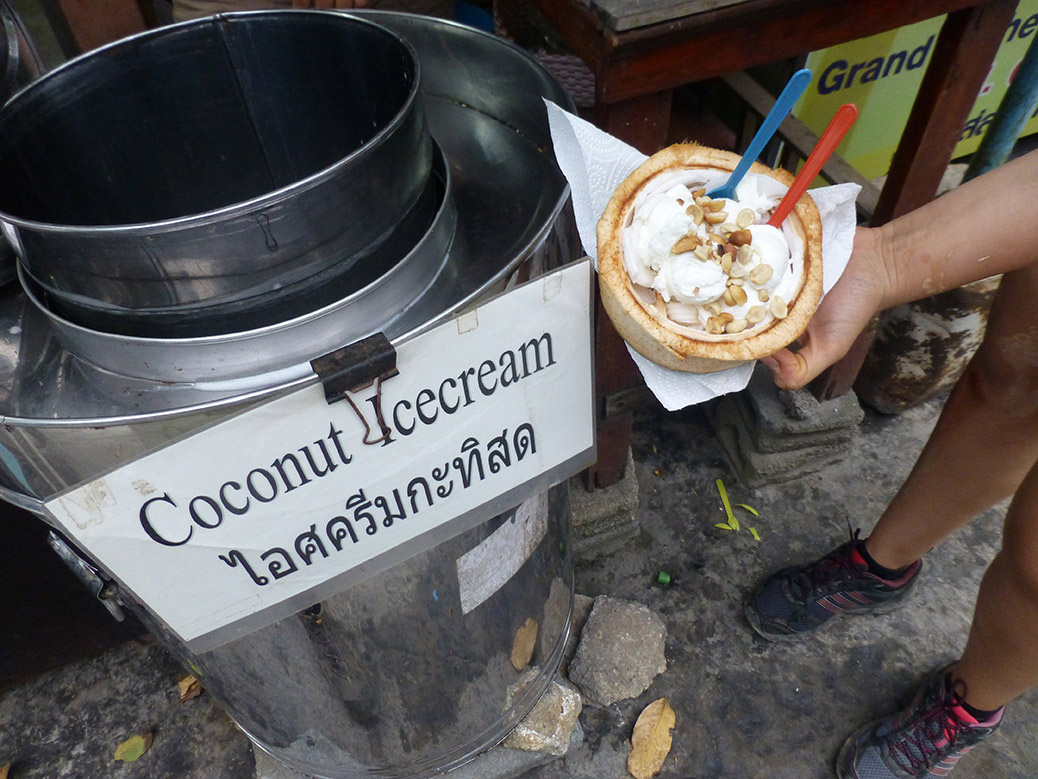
(783, 105)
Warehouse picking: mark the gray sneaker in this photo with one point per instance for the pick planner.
(925, 740)
(801, 600)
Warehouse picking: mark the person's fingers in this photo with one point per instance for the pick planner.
(794, 369)
(788, 369)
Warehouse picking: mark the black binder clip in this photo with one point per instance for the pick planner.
(355, 367)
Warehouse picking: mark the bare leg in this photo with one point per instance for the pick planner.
(985, 441)
(1001, 656)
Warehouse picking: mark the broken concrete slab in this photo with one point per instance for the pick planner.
(550, 723)
(622, 649)
(582, 605)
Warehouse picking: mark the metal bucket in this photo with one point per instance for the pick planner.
(20, 63)
(406, 674)
(202, 165)
(401, 676)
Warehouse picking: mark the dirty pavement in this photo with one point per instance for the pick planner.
(744, 708)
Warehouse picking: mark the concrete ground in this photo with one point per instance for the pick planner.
(745, 708)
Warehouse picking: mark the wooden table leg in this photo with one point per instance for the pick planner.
(640, 121)
(966, 46)
(615, 372)
(968, 41)
(92, 27)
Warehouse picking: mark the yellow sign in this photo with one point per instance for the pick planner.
(882, 74)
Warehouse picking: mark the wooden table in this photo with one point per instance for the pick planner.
(640, 50)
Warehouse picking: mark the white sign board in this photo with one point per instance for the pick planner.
(245, 522)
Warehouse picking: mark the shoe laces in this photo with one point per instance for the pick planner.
(931, 734)
(826, 570)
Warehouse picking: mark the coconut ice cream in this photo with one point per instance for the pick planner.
(702, 284)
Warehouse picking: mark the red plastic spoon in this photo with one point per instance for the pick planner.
(820, 154)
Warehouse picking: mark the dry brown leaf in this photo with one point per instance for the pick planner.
(133, 747)
(522, 646)
(4, 769)
(651, 739)
(190, 688)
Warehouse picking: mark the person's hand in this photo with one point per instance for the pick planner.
(842, 315)
(321, 4)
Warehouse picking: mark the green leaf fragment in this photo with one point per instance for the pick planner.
(732, 520)
(724, 526)
(750, 509)
(753, 532)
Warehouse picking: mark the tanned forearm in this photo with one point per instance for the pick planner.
(984, 227)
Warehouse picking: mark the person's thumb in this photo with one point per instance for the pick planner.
(793, 370)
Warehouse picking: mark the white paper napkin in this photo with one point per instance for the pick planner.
(595, 163)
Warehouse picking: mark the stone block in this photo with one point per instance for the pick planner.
(550, 723)
(783, 413)
(605, 519)
(765, 440)
(621, 650)
(754, 468)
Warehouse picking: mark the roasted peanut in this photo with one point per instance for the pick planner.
(686, 244)
(755, 314)
(735, 326)
(741, 237)
(760, 274)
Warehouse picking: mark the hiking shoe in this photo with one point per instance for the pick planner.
(800, 600)
(926, 739)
